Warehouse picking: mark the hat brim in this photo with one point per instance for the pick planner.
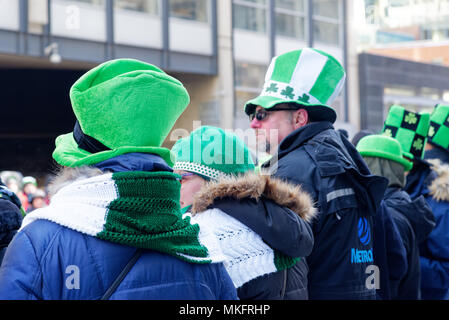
(67, 153)
(317, 112)
(380, 154)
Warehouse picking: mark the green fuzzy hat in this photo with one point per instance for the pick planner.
(123, 106)
(213, 153)
(309, 77)
(381, 146)
(439, 127)
(409, 128)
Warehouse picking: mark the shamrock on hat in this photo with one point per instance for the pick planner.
(439, 127)
(310, 78)
(122, 106)
(409, 129)
(212, 153)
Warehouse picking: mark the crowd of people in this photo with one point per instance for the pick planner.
(322, 218)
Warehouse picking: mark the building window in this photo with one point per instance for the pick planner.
(147, 6)
(9, 14)
(250, 76)
(196, 10)
(327, 21)
(290, 18)
(83, 19)
(250, 15)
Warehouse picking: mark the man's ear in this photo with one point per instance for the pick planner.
(300, 118)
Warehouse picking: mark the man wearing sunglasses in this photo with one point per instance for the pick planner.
(293, 117)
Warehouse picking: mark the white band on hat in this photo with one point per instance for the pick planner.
(200, 169)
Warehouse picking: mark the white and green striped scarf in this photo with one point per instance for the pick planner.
(138, 209)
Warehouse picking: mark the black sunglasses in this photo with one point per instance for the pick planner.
(261, 114)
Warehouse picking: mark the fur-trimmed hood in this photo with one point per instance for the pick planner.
(439, 188)
(67, 175)
(255, 186)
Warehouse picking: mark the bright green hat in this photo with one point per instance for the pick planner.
(121, 106)
(381, 146)
(213, 153)
(439, 127)
(309, 77)
(409, 128)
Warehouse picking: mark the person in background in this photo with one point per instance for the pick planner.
(11, 215)
(29, 186)
(413, 220)
(37, 200)
(261, 221)
(429, 180)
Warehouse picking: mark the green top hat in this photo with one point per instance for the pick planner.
(213, 153)
(381, 146)
(123, 106)
(309, 77)
(439, 127)
(409, 128)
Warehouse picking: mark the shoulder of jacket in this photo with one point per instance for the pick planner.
(254, 186)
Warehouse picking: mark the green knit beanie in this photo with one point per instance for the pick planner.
(381, 146)
(409, 128)
(439, 127)
(121, 106)
(212, 152)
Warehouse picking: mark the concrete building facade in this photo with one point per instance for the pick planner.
(220, 50)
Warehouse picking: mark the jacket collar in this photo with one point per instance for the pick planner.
(300, 136)
(255, 186)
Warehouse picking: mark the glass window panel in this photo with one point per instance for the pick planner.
(189, 9)
(290, 26)
(249, 18)
(249, 75)
(84, 19)
(99, 2)
(294, 5)
(326, 8)
(147, 6)
(327, 33)
(9, 14)
(37, 16)
(255, 1)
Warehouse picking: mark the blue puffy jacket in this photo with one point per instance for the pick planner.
(434, 251)
(48, 261)
(331, 170)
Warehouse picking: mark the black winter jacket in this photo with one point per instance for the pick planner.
(278, 213)
(10, 217)
(328, 167)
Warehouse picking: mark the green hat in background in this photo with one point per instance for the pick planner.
(383, 147)
(439, 127)
(310, 78)
(409, 128)
(29, 179)
(213, 153)
(121, 106)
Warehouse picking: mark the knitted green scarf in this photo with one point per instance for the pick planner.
(138, 209)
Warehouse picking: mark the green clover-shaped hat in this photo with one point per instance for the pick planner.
(439, 127)
(381, 146)
(308, 77)
(213, 153)
(409, 128)
(121, 106)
